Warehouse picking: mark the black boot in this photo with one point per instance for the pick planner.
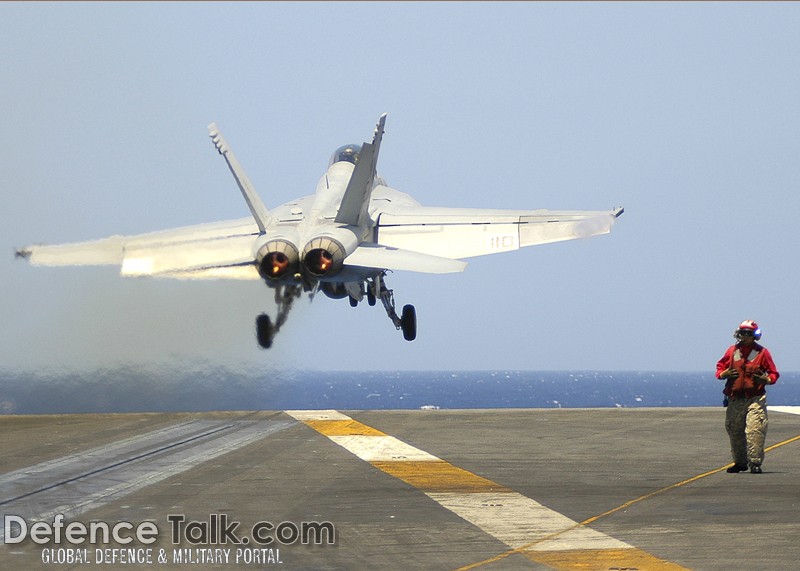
(736, 468)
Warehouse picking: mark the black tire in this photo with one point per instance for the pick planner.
(353, 301)
(371, 298)
(265, 331)
(408, 323)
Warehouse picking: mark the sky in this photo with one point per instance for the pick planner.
(686, 114)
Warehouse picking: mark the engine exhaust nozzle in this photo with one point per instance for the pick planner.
(324, 256)
(277, 259)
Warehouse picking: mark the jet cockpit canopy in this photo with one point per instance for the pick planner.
(347, 153)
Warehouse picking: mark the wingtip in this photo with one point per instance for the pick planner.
(618, 211)
(23, 253)
(217, 139)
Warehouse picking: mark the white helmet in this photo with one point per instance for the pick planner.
(747, 328)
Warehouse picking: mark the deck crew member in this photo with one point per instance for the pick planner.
(747, 368)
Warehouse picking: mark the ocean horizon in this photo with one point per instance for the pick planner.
(172, 389)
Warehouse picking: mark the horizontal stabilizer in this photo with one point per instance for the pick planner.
(387, 258)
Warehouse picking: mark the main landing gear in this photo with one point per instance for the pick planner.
(373, 289)
(376, 289)
(265, 328)
(408, 322)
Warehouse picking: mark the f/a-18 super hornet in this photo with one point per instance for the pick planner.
(342, 240)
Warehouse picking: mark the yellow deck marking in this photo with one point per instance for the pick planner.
(784, 443)
(655, 564)
(343, 428)
(527, 527)
(603, 560)
(438, 476)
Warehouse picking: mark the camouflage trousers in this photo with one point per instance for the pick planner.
(746, 423)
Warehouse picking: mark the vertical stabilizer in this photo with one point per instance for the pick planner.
(355, 202)
(257, 208)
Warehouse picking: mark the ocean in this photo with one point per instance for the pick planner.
(179, 389)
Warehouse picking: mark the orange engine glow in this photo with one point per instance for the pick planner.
(276, 264)
(319, 261)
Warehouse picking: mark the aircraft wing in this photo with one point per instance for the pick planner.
(414, 238)
(204, 251)
(458, 233)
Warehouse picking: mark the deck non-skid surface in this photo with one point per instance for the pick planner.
(603, 489)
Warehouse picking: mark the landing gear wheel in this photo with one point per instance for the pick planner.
(408, 322)
(371, 298)
(265, 331)
(353, 302)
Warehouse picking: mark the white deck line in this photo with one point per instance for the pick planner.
(786, 409)
(514, 519)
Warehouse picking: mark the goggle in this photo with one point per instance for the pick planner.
(747, 332)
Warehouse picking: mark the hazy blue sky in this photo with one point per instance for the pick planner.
(688, 114)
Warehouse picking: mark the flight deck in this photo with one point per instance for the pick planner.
(598, 489)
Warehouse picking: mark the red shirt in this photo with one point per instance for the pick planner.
(750, 359)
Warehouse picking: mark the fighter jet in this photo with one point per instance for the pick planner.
(342, 240)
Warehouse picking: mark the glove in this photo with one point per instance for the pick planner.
(729, 374)
(760, 378)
